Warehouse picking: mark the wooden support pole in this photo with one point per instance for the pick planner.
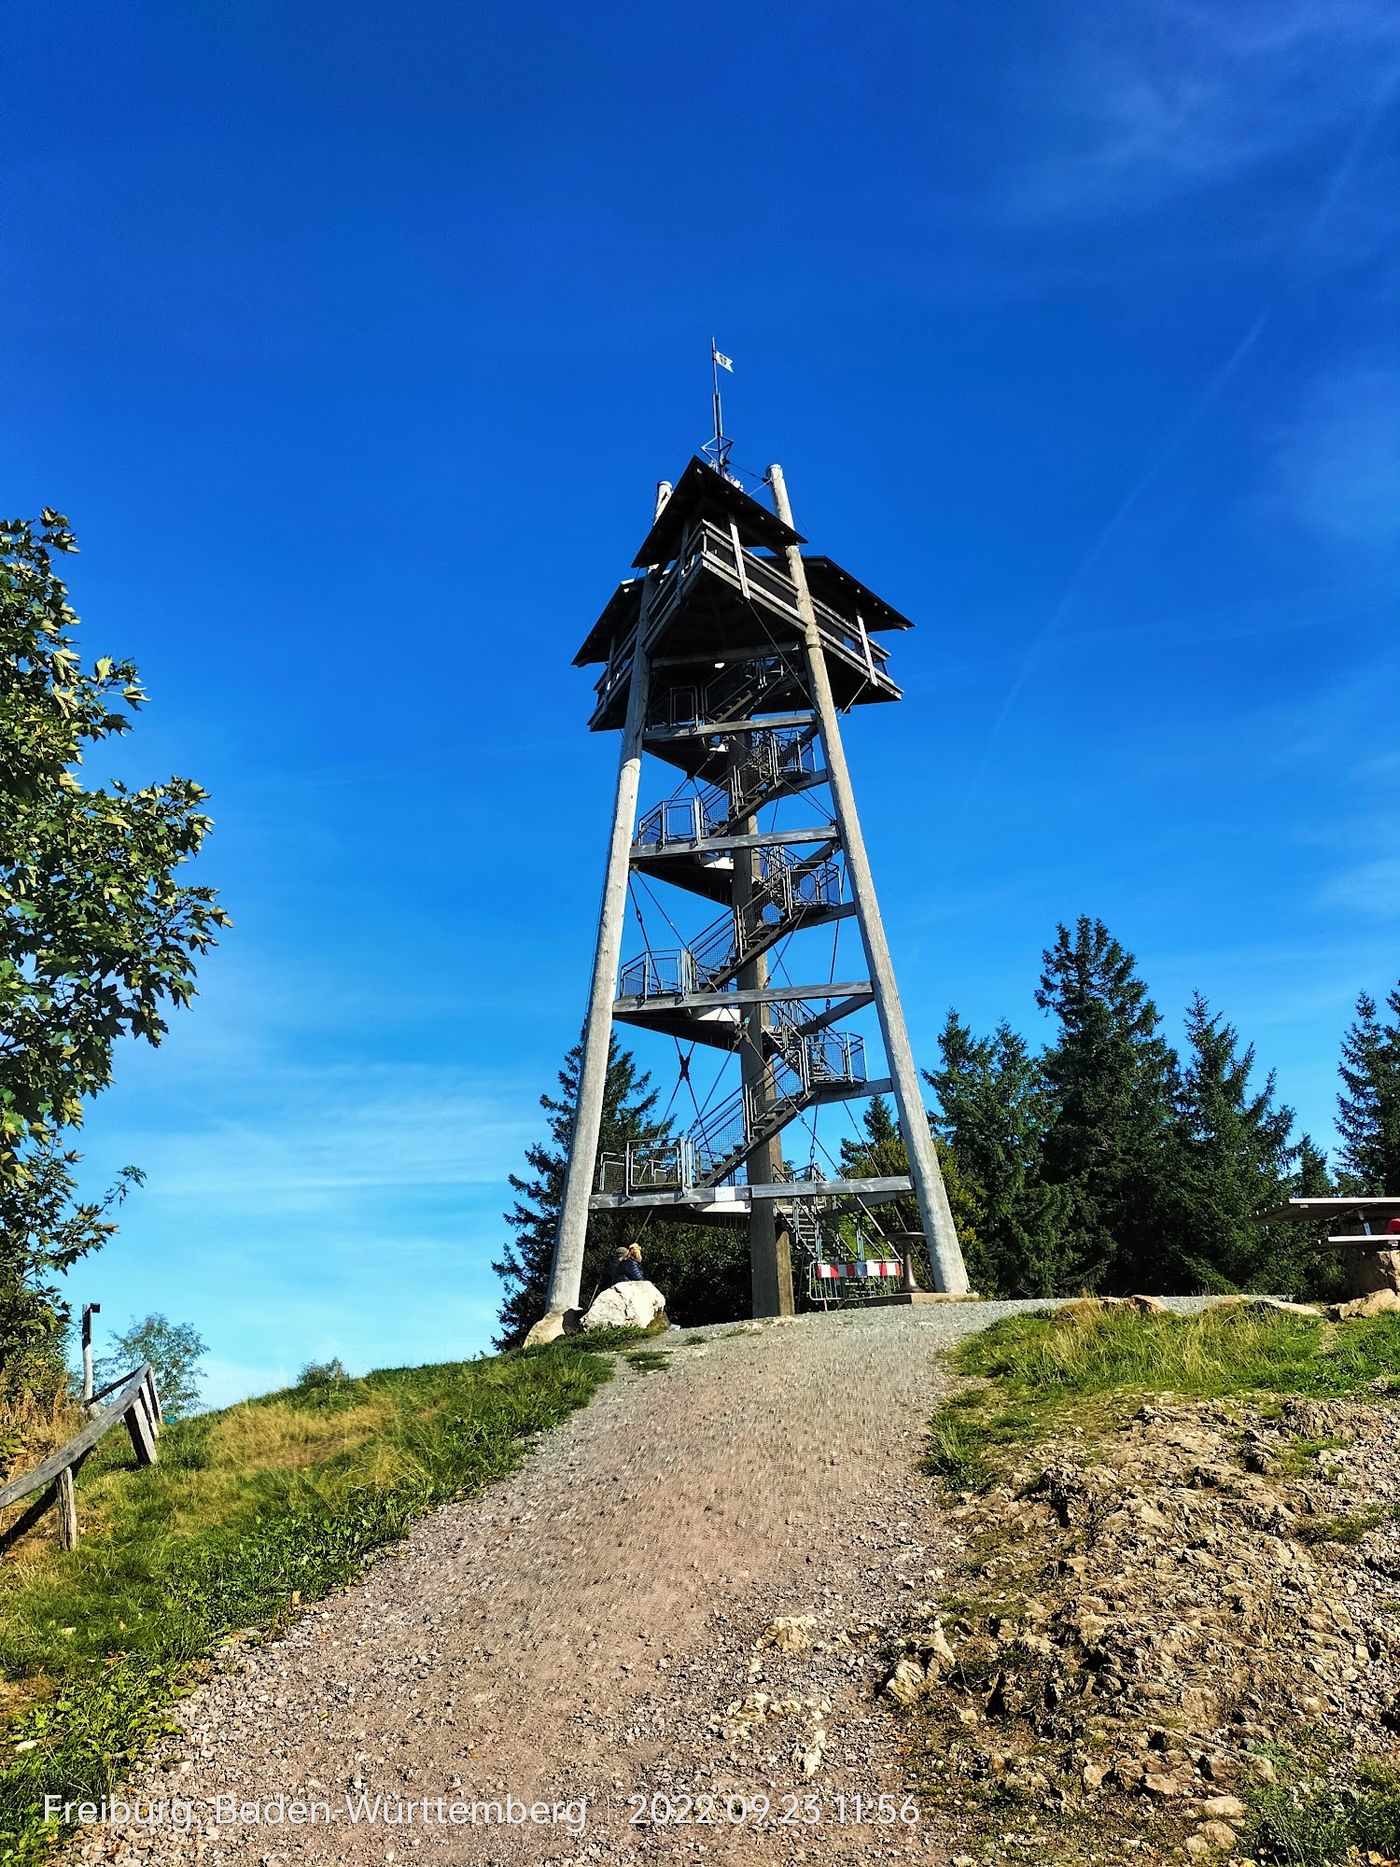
(935, 1214)
(153, 1409)
(770, 1249)
(566, 1270)
(138, 1424)
(66, 1505)
(89, 1311)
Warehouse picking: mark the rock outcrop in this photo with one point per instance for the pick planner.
(1144, 1617)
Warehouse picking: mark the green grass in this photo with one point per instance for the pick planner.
(648, 1360)
(1341, 1529)
(249, 1513)
(1034, 1373)
(1302, 1458)
(1317, 1825)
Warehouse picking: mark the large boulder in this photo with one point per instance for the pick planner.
(634, 1304)
(549, 1328)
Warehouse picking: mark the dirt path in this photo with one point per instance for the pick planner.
(575, 1635)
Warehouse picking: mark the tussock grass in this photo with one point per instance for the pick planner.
(1343, 1530)
(1317, 1824)
(249, 1513)
(31, 1428)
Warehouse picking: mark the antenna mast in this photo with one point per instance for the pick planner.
(716, 450)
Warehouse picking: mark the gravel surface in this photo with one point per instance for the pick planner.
(600, 1629)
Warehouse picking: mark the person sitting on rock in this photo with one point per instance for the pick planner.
(627, 1265)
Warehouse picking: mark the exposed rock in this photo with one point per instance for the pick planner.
(1269, 1305)
(1217, 1834)
(1145, 1611)
(1371, 1266)
(907, 1682)
(790, 1633)
(549, 1328)
(634, 1304)
(941, 1657)
(809, 1757)
(1376, 1304)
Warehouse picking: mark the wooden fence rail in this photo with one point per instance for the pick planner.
(136, 1402)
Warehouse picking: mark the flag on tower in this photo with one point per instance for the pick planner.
(721, 360)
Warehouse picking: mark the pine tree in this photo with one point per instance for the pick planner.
(1311, 1180)
(1235, 1160)
(1369, 1107)
(994, 1111)
(703, 1270)
(1111, 1140)
(880, 1152)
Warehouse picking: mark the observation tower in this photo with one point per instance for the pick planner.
(728, 657)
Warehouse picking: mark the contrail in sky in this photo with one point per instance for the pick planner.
(1187, 426)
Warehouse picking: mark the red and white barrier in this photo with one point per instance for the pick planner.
(863, 1267)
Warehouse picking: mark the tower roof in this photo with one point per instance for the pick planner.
(702, 493)
(829, 583)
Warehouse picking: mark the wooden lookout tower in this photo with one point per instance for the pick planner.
(729, 657)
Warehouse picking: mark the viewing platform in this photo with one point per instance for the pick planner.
(723, 594)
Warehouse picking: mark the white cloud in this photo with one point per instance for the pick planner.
(1337, 460)
(300, 1138)
(1371, 888)
(1150, 100)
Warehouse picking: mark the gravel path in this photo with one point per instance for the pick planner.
(599, 1629)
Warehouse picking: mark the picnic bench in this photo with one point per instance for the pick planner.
(1368, 1236)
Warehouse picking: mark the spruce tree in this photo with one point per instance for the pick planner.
(702, 1270)
(994, 1111)
(1368, 1115)
(1311, 1180)
(1111, 1139)
(1235, 1159)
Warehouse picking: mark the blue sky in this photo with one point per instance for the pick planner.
(353, 339)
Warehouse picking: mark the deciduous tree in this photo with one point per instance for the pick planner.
(174, 1350)
(97, 941)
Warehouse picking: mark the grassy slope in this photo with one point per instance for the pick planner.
(1079, 1369)
(249, 1512)
(1036, 1373)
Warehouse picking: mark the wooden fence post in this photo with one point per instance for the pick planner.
(138, 1403)
(138, 1424)
(67, 1505)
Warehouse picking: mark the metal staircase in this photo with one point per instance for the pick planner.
(791, 893)
(779, 762)
(804, 1069)
(738, 691)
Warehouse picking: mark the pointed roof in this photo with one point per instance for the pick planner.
(703, 493)
(829, 583)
